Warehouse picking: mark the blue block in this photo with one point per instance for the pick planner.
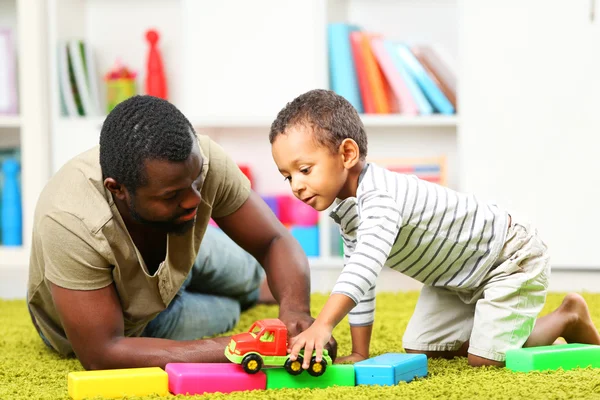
(308, 237)
(273, 204)
(391, 368)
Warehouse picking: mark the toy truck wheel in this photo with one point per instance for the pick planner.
(317, 368)
(252, 363)
(294, 367)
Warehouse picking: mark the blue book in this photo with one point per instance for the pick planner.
(422, 104)
(435, 95)
(342, 73)
(11, 211)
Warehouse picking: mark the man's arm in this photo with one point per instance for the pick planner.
(254, 227)
(93, 322)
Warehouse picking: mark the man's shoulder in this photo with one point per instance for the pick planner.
(213, 153)
(77, 191)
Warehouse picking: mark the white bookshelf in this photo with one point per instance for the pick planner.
(13, 256)
(231, 90)
(10, 121)
(29, 129)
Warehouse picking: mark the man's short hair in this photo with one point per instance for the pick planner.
(138, 129)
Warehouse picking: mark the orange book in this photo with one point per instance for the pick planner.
(366, 95)
(375, 77)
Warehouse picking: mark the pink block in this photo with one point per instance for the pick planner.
(286, 208)
(198, 378)
(294, 212)
(303, 214)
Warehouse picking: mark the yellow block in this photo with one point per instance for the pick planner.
(115, 383)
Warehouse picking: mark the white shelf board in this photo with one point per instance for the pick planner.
(95, 122)
(395, 120)
(326, 262)
(10, 121)
(370, 121)
(13, 256)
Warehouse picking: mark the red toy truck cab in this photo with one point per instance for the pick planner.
(265, 343)
(267, 337)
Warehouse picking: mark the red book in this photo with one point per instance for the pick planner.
(366, 95)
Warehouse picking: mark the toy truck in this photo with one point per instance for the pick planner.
(265, 343)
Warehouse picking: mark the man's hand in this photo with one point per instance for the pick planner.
(351, 359)
(295, 321)
(314, 338)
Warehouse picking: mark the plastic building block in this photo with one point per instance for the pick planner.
(265, 343)
(286, 209)
(303, 214)
(335, 375)
(389, 369)
(565, 356)
(273, 204)
(195, 378)
(308, 237)
(248, 172)
(116, 383)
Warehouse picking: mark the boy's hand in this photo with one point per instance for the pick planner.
(314, 338)
(351, 359)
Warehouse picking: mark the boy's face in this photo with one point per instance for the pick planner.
(316, 175)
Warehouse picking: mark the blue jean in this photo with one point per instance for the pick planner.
(224, 281)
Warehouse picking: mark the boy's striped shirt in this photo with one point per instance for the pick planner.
(431, 233)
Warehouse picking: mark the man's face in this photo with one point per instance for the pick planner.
(171, 196)
(316, 176)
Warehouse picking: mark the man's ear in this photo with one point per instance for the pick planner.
(350, 153)
(117, 189)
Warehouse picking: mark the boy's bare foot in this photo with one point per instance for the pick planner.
(580, 328)
(264, 294)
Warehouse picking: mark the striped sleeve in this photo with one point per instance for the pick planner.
(379, 224)
(364, 312)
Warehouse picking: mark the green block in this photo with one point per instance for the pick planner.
(335, 375)
(565, 356)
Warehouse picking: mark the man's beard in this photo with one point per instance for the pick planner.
(169, 226)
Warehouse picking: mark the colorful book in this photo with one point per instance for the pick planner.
(92, 76)
(366, 95)
(375, 76)
(439, 72)
(421, 101)
(433, 93)
(77, 57)
(342, 73)
(406, 101)
(67, 94)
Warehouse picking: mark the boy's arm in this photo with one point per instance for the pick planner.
(379, 225)
(361, 341)
(254, 228)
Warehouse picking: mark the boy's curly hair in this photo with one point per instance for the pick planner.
(331, 117)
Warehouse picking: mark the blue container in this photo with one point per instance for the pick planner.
(391, 368)
(12, 218)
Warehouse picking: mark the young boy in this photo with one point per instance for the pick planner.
(485, 275)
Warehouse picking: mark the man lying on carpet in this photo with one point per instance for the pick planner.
(485, 275)
(122, 259)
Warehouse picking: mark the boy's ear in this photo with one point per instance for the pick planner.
(350, 153)
(115, 188)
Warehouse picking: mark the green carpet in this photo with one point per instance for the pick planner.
(30, 371)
